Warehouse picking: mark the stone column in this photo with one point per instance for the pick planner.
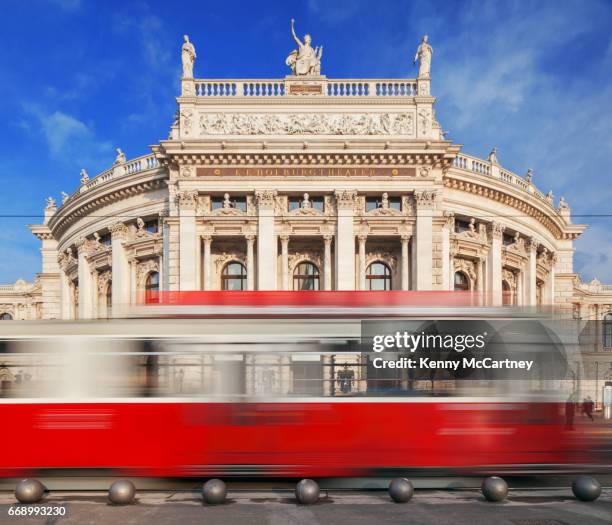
(85, 281)
(266, 240)
(494, 263)
(65, 296)
(345, 240)
(425, 201)
(548, 294)
(327, 264)
(250, 259)
(531, 272)
(120, 279)
(405, 262)
(134, 297)
(362, 237)
(284, 239)
(479, 275)
(187, 240)
(207, 239)
(447, 229)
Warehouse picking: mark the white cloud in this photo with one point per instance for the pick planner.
(69, 140)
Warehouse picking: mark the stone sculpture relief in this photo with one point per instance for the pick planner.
(309, 124)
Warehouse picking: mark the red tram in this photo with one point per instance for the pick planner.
(255, 397)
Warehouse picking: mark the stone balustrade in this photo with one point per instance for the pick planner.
(137, 165)
(485, 167)
(257, 88)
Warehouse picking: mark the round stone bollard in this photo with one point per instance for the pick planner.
(214, 492)
(494, 489)
(586, 488)
(400, 490)
(122, 492)
(29, 491)
(307, 492)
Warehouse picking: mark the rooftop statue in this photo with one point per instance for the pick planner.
(423, 55)
(304, 60)
(84, 176)
(188, 56)
(120, 158)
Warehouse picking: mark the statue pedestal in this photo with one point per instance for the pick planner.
(307, 85)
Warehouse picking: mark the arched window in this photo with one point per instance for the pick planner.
(462, 283)
(6, 317)
(607, 331)
(306, 277)
(507, 295)
(152, 287)
(378, 276)
(234, 277)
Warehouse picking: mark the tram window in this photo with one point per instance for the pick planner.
(307, 376)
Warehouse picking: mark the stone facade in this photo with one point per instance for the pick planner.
(269, 175)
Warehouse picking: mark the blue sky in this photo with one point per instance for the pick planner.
(80, 77)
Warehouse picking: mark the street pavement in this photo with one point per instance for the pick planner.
(524, 507)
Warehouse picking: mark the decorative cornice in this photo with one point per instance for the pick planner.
(553, 224)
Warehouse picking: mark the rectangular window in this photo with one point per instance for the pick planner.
(152, 226)
(461, 226)
(297, 201)
(508, 239)
(106, 239)
(395, 203)
(372, 203)
(237, 202)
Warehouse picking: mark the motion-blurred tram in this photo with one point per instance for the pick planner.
(273, 397)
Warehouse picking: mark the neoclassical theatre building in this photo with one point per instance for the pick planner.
(304, 182)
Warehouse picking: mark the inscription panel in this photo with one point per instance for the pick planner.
(316, 171)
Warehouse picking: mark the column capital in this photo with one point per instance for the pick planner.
(363, 237)
(265, 199)
(531, 244)
(345, 198)
(118, 230)
(328, 237)
(207, 237)
(250, 237)
(425, 199)
(496, 230)
(187, 200)
(405, 237)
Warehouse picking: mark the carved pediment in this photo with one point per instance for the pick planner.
(305, 211)
(384, 211)
(228, 211)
